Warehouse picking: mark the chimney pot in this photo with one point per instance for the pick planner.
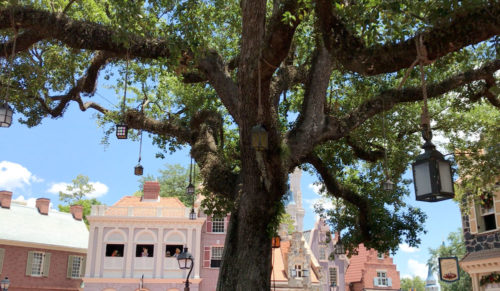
(5, 199)
(42, 204)
(151, 190)
(76, 211)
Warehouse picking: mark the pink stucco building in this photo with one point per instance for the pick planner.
(370, 270)
(41, 249)
(133, 243)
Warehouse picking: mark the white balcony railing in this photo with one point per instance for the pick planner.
(103, 210)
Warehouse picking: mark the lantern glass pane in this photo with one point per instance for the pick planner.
(422, 179)
(445, 177)
(5, 115)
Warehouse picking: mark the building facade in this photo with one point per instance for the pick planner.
(134, 244)
(481, 228)
(370, 270)
(41, 249)
(333, 267)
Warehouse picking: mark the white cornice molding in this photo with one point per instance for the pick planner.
(42, 246)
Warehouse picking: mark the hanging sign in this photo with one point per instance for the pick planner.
(448, 269)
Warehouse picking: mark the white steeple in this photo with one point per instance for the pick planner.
(295, 209)
(430, 283)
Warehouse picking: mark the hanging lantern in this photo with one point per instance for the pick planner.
(259, 138)
(138, 170)
(192, 214)
(339, 248)
(121, 131)
(388, 185)
(432, 176)
(276, 242)
(190, 189)
(185, 260)
(5, 115)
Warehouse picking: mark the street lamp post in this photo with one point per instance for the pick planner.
(185, 261)
(4, 284)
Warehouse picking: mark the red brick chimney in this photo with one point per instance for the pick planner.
(151, 190)
(77, 211)
(5, 199)
(42, 204)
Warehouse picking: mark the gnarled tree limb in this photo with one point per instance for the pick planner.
(463, 29)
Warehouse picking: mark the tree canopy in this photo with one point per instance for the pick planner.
(335, 84)
(76, 194)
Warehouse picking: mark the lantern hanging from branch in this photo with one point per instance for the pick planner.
(121, 131)
(5, 115)
(259, 138)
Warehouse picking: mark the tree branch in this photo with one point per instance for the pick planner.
(337, 128)
(82, 34)
(463, 29)
(218, 76)
(338, 190)
(367, 155)
(312, 116)
(23, 42)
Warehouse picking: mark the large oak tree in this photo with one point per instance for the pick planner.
(326, 79)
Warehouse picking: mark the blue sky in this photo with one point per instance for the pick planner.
(38, 162)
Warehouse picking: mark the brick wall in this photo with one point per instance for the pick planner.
(14, 267)
(209, 239)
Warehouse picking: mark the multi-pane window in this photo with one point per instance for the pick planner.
(76, 267)
(37, 264)
(333, 276)
(216, 257)
(382, 278)
(322, 252)
(298, 269)
(218, 224)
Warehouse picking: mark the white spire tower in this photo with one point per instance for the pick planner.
(295, 209)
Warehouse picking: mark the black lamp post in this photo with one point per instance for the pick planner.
(185, 261)
(5, 115)
(192, 214)
(4, 284)
(190, 191)
(432, 176)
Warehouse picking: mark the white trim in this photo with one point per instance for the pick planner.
(115, 230)
(42, 246)
(172, 232)
(136, 241)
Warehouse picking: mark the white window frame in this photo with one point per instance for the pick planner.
(322, 253)
(218, 224)
(216, 255)
(298, 270)
(78, 271)
(382, 279)
(37, 256)
(480, 218)
(332, 276)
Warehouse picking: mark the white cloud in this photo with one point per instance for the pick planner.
(31, 202)
(315, 187)
(407, 249)
(417, 269)
(14, 176)
(100, 189)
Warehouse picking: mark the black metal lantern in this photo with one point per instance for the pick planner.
(185, 261)
(192, 214)
(121, 131)
(388, 185)
(339, 248)
(138, 170)
(190, 189)
(5, 115)
(259, 138)
(432, 176)
(276, 242)
(4, 284)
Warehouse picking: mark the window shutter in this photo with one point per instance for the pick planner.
(70, 266)
(375, 281)
(82, 270)
(29, 263)
(2, 255)
(389, 282)
(209, 223)
(206, 258)
(46, 264)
